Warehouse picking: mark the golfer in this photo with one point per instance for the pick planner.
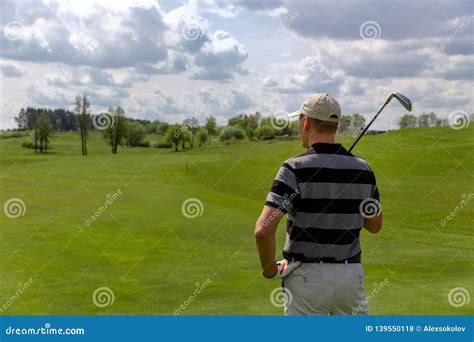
(328, 195)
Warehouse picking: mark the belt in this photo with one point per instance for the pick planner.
(299, 257)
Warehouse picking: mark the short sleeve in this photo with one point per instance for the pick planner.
(375, 191)
(284, 192)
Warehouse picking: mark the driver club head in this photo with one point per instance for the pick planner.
(405, 101)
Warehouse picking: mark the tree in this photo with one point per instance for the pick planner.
(210, 126)
(115, 132)
(135, 134)
(344, 123)
(424, 120)
(230, 133)
(407, 121)
(83, 119)
(433, 119)
(192, 125)
(174, 135)
(202, 136)
(357, 121)
(45, 129)
(187, 137)
(265, 132)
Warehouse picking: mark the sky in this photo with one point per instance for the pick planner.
(171, 60)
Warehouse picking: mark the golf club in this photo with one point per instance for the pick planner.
(405, 101)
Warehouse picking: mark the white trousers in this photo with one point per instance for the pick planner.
(325, 289)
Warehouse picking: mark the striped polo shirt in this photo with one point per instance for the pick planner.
(326, 193)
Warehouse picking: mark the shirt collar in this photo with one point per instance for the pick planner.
(328, 148)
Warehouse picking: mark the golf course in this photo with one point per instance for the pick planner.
(152, 251)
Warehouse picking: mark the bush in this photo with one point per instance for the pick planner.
(13, 134)
(265, 133)
(28, 144)
(164, 145)
(202, 137)
(230, 133)
(144, 143)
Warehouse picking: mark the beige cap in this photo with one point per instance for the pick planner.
(320, 106)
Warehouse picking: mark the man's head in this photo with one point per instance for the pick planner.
(318, 118)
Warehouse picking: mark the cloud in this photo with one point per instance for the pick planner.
(220, 58)
(397, 20)
(307, 75)
(109, 35)
(11, 70)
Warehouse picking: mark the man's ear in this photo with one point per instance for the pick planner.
(306, 123)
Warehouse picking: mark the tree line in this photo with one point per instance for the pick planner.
(119, 130)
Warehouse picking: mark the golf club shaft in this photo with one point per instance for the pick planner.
(368, 125)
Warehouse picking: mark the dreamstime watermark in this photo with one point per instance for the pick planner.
(280, 121)
(102, 121)
(192, 31)
(280, 297)
(377, 287)
(109, 200)
(13, 30)
(456, 32)
(370, 30)
(458, 119)
(199, 287)
(192, 208)
(466, 198)
(458, 296)
(282, 29)
(47, 329)
(14, 208)
(188, 124)
(370, 208)
(21, 287)
(283, 205)
(103, 296)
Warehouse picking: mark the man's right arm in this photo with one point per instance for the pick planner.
(374, 224)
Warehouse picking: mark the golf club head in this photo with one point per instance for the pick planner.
(405, 101)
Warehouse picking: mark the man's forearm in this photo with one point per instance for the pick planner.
(266, 249)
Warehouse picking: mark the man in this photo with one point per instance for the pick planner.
(328, 195)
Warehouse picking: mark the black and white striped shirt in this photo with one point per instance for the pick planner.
(325, 192)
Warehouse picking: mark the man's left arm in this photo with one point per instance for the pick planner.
(265, 230)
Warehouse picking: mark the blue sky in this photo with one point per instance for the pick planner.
(170, 60)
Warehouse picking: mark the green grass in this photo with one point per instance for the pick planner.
(151, 256)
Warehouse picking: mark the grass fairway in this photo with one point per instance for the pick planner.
(151, 256)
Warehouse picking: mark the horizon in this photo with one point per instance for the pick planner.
(169, 60)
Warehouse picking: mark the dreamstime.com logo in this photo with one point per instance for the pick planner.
(458, 296)
(370, 208)
(19, 291)
(280, 121)
(282, 29)
(458, 119)
(199, 287)
(456, 32)
(109, 200)
(192, 208)
(370, 30)
(14, 208)
(102, 121)
(283, 205)
(192, 31)
(102, 297)
(466, 198)
(47, 329)
(280, 297)
(377, 287)
(13, 30)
